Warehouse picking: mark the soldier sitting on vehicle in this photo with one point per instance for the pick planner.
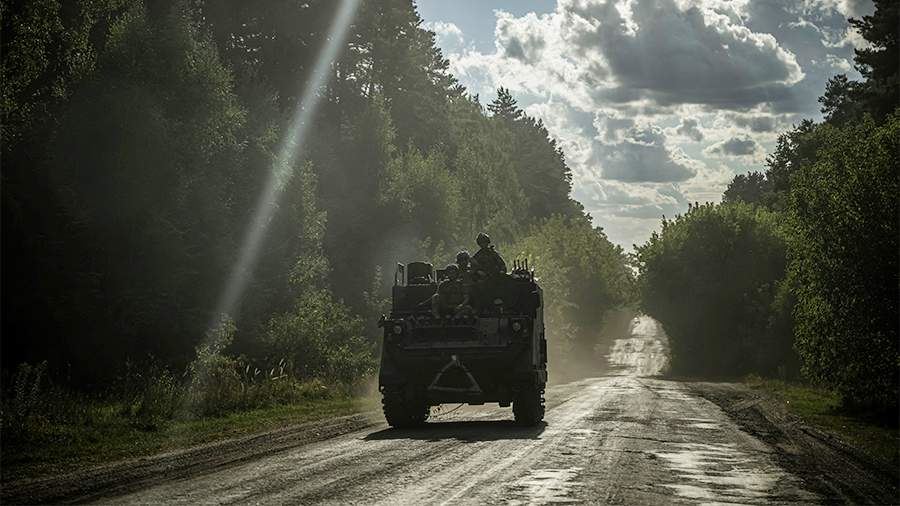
(463, 261)
(486, 262)
(451, 298)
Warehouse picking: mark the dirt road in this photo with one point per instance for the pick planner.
(625, 438)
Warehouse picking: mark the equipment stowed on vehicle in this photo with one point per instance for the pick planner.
(494, 351)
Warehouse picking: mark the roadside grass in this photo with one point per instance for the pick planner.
(54, 448)
(47, 428)
(823, 409)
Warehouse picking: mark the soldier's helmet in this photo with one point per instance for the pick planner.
(483, 239)
(452, 271)
(462, 258)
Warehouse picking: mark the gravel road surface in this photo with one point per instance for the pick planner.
(625, 438)
(629, 437)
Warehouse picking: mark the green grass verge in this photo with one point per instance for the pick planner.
(822, 408)
(59, 448)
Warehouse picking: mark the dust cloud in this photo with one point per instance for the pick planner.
(624, 335)
(645, 352)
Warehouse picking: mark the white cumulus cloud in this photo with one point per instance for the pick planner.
(657, 103)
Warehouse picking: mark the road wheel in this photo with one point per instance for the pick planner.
(403, 413)
(528, 406)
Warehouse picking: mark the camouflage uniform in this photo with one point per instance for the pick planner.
(452, 296)
(489, 261)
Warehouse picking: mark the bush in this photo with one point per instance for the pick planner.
(34, 404)
(321, 339)
(843, 211)
(714, 278)
(26, 402)
(150, 393)
(215, 384)
(26, 399)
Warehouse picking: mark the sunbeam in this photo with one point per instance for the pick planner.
(283, 167)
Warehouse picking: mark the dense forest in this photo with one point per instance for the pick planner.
(139, 137)
(140, 140)
(796, 271)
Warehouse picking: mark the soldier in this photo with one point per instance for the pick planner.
(463, 261)
(451, 296)
(486, 261)
(466, 270)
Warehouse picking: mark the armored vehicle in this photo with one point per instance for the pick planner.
(489, 349)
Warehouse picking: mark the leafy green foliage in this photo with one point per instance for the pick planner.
(843, 212)
(133, 190)
(213, 374)
(320, 339)
(583, 276)
(835, 184)
(48, 48)
(138, 138)
(878, 62)
(27, 387)
(795, 148)
(545, 178)
(751, 188)
(505, 106)
(424, 193)
(713, 278)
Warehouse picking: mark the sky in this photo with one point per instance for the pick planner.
(656, 103)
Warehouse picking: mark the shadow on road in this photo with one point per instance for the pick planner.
(466, 432)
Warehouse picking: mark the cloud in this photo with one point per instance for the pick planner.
(612, 126)
(755, 123)
(847, 8)
(642, 156)
(839, 63)
(690, 128)
(448, 35)
(654, 49)
(520, 38)
(735, 146)
(597, 53)
(660, 102)
(851, 38)
(611, 199)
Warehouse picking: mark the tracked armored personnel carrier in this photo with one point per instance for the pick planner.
(491, 350)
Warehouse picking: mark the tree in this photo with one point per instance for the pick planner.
(793, 149)
(843, 212)
(880, 61)
(132, 192)
(505, 106)
(392, 55)
(584, 277)
(138, 138)
(539, 162)
(839, 103)
(750, 188)
(713, 278)
(47, 50)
